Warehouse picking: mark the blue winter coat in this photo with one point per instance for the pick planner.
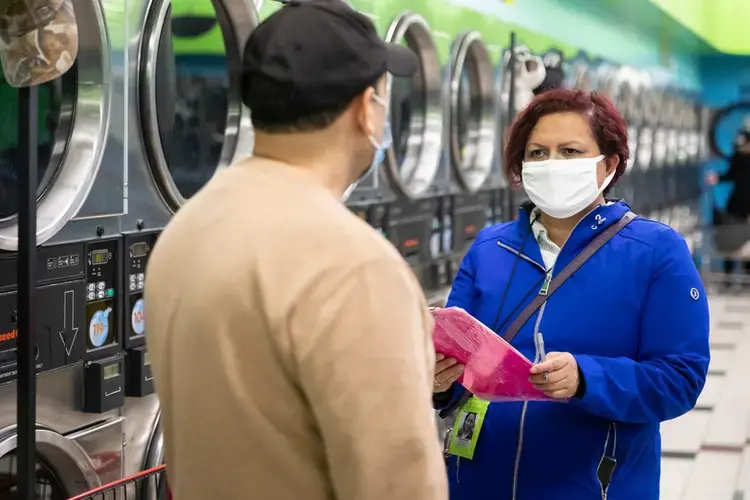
(636, 319)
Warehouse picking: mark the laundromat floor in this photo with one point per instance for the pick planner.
(706, 453)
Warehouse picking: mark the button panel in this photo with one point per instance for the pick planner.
(102, 335)
(137, 251)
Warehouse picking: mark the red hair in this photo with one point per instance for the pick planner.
(607, 126)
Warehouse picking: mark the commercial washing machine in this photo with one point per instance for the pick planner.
(472, 148)
(645, 103)
(529, 73)
(625, 98)
(604, 78)
(578, 72)
(656, 176)
(80, 199)
(413, 162)
(186, 120)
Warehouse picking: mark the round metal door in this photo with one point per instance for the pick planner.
(472, 112)
(189, 89)
(154, 488)
(413, 160)
(73, 114)
(63, 470)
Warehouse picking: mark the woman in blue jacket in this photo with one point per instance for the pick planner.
(624, 340)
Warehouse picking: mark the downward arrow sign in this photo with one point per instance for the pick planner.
(68, 320)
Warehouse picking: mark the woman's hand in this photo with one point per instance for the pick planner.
(447, 371)
(557, 375)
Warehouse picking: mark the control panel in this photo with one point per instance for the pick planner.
(137, 248)
(102, 311)
(377, 217)
(60, 309)
(410, 230)
(469, 217)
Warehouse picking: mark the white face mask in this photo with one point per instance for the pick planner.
(563, 188)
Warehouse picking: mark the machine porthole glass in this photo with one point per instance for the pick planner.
(73, 117)
(416, 115)
(407, 96)
(192, 127)
(56, 103)
(63, 469)
(472, 111)
(193, 119)
(48, 486)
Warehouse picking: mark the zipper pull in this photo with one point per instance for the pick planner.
(545, 285)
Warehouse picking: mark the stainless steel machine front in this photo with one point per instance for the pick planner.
(472, 112)
(204, 126)
(76, 451)
(74, 126)
(412, 163)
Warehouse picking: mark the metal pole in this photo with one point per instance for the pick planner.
(510, 201)
(26, 340)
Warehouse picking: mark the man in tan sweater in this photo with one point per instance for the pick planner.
(290, 343)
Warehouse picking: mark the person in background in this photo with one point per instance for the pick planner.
(626, 335)
(291, 345)
(738, 205)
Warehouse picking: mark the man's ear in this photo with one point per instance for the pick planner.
(365, 111)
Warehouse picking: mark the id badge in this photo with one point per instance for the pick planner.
(466, 430)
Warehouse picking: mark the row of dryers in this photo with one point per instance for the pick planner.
(441, 181)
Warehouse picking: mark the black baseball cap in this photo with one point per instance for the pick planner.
(313, 54)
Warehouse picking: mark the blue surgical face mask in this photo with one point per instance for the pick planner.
(380, 148)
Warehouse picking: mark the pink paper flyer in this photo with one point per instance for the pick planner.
(495, 370)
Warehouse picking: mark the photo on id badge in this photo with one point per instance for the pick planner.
(466, 424)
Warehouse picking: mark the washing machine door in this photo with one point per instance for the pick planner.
(63, 469)
(189, 90)
(412, 162)
(73, 113)
(472, 112)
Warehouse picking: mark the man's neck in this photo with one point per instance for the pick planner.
(326, 165)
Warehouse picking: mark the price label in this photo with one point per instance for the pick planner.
(99, 327)
(137, 318)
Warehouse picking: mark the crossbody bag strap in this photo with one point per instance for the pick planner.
(566, 273)
(554, 285)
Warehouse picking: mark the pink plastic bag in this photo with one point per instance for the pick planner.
(495, 370)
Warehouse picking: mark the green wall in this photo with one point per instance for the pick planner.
(606, 29)
(721, 23)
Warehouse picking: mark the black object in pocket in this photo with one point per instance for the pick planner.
(605, 472)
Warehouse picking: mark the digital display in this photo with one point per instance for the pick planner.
(139, 250)
(111, 371)
(146, 358)
(99, 257)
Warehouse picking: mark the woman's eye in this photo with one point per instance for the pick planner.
(571, 152)
(536, 153)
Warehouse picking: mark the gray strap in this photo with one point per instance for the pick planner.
(566, 273)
